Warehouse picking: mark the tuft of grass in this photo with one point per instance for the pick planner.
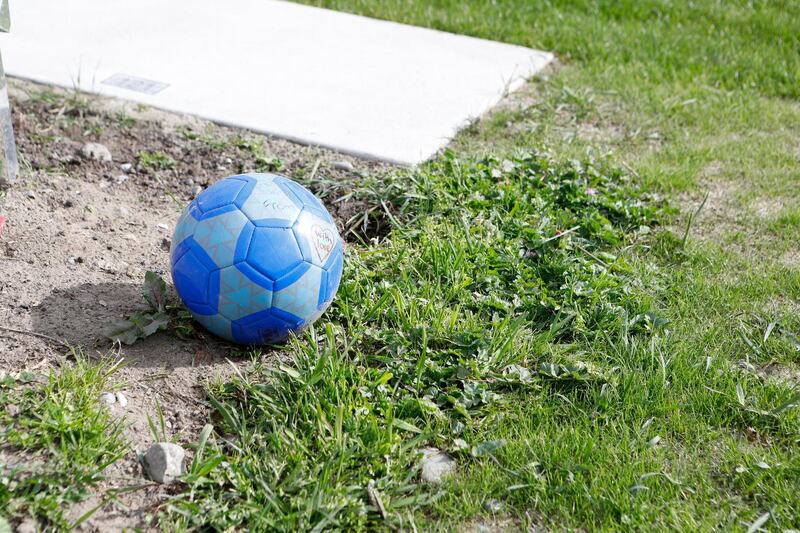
(155, 161)
(57, 440)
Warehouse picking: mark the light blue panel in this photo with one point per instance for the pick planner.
(184, 228)
(216, 324)
(239, 297)
(268, 201)
(218, 236)
(318, 239)
(301, 297)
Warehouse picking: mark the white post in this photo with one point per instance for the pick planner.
(8, 150)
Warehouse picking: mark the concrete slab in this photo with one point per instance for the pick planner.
(358, 85)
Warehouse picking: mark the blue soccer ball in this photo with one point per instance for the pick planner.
(255, 257)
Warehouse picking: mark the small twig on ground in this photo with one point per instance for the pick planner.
(590, 254)
(39, 335)
(562, 234)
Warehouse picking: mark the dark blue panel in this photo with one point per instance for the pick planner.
(274, 252)
(184, 246)
(330, 279)
(264, 327)
(292, 276)
(199, 216)
(222, 193)
(243, 243)
(255, 276)
(196, 279)
(337, 252)
(241, 198)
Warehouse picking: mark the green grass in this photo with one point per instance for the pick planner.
(56, 439)
(638, 396)
(538, 315)
(463, 312)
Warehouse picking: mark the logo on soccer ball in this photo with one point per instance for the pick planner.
(323, 241)
(255, 257)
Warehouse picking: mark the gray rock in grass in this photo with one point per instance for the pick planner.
(347, 166)
(163, 462)
(27, 526)
(493, 505)
(436, 465)
(96, 151)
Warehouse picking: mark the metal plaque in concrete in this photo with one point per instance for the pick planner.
(359, 85)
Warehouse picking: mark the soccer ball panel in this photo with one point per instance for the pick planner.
(221, 194)
(300, 297)
(274, 252)
(239, 296)
(219, 236)
(268, 205)
(303, 197)
(197, 280)
(316, 237)
(184, 229)
(217, 324)
(266, 327)
(329, 283)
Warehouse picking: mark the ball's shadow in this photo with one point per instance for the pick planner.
(81, 314)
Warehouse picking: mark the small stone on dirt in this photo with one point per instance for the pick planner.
(436, 465)
(30, 195)
(163, 462)
(119, 180)
(347, 166)
(166, 243)
(27, 526)
(161, 225)
(122, 400)
(108, 398)
(96, 151)
(197, 189)
(126, 167)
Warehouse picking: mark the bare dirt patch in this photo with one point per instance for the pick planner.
(80, 234)
(782, 373)
(791, 259)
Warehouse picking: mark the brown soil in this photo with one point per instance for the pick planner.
(80, 235)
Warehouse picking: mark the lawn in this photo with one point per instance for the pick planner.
(590, 301)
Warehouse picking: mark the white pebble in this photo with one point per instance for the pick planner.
(96, 151)
(436, 465)
(122, 400)
(108, 398)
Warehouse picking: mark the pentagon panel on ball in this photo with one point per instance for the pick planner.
(255, 257)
